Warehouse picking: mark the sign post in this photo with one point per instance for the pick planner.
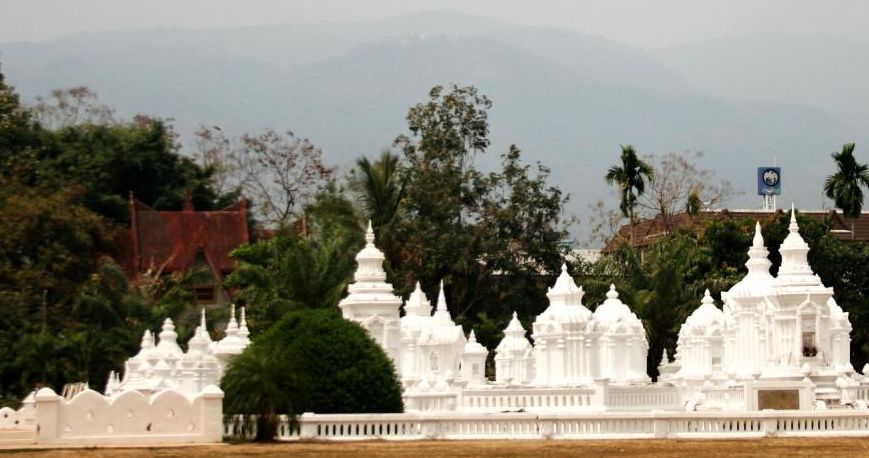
(769, 185)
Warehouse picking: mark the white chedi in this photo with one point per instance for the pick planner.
(700, 346)
(621, 342)
(371, 301)
(770, 328)
(426, 345)
(165, 365)
(514, 361)
(473, 370)
(417, 315)
(564, 334)
(439, 343)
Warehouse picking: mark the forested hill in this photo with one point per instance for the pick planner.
(567, 99)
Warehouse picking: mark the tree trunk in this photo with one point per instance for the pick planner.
(266, 427)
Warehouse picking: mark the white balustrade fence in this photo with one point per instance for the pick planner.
(604, 425)
(528, 399)
(641, 398)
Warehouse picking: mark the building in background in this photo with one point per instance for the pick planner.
(161, 242)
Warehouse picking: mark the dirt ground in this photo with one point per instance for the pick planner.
(840, 447)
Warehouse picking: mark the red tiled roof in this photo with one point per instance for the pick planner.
(646, 231)
(172, 240)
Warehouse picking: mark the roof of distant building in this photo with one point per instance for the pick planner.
(646, 231)
(177, 240)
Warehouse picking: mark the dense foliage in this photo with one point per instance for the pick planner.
(311, 361)
(495, 239)
(69, 312)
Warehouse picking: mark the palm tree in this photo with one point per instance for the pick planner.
(380, 187)
(630, 177)
(845, 186)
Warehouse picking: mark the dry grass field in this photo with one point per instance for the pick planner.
(840, 447)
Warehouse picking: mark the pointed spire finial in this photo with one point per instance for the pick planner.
(202, 320)
(707, 298)
(793, 227)
(612, 293)
(242, 327)
(147, 339)
(564, 267)
(472, 337)
(369, 233)
(758, 237)
(232, 326)
(442, 300)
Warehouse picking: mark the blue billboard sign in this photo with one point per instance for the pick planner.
(769, 181)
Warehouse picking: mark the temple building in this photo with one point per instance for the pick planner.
(514, 357)
(770, 327)
(426, 345)
(162, 242)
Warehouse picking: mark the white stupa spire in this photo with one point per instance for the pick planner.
(369, 234)
(613, 310)
(565, 291)
(514, 328)
(370, 261)
(473, 347)
(758, 281)
(442, 300)
(147, 340)
(565, 303)
(371, 301)
(418, 304)
(168, 344)
(795, 268)
(707, 314)
(757, 241)
(758, 263)
(442, 314)
(232, 325)
(243, 332)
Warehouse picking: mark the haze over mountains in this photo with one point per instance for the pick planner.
(568, 99)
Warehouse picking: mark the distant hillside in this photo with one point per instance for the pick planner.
(567, 99)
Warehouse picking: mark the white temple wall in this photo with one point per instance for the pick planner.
(129, 418)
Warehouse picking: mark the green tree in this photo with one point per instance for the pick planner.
(379, 186)
(20, 135)
(296, 270)
(845, 186)
(311, 361)
(112, 160)
(630, 178)
(495, 239)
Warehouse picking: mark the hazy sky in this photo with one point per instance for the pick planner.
(642, 23)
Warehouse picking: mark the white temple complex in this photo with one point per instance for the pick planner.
(774, 360)
(779, 342)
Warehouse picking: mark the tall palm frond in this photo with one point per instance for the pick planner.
(844, 186)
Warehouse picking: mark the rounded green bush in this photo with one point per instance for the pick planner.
(311, 361)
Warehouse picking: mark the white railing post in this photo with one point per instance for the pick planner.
(47, 428)
(769, 424)
(660, 425)
(307, 427)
